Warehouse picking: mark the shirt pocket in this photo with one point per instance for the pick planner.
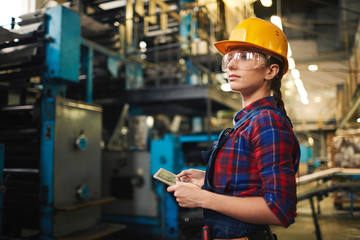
(241, 154)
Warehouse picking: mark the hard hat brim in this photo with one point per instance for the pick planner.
(226, 45)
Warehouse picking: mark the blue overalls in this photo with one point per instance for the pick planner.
(222, 226)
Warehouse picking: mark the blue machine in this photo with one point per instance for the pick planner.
(72, 201)
(172, 152)
(64, 165)
(63, 126)
(168, 153)
(63, 34)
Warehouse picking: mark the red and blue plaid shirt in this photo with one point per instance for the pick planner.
(261, 159)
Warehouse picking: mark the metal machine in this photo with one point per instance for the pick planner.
(52, 156)
(143, 202)
(177, 153)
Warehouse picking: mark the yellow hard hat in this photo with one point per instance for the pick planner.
(260, 34)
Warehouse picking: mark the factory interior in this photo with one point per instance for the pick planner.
(97, 95)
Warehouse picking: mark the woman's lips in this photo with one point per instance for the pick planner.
(232, 77)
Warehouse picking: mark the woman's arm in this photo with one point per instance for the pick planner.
(248, 209)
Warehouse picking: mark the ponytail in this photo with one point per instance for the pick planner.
(276, 84)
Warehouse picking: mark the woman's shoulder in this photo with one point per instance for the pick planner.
(271, 117)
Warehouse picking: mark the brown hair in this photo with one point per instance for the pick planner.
(276, 83)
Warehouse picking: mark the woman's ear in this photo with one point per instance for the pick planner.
(272, 71)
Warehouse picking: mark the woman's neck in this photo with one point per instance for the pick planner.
(247, 100)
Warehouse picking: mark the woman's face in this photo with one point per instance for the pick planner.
(246, 71)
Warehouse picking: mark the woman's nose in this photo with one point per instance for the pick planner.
(232, 65)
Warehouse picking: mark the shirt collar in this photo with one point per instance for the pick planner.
(266, 101)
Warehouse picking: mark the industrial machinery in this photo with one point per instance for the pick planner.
(177, 153)
(61, 176)
(52, 151)
(143, 202)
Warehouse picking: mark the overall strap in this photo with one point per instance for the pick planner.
(210, 156)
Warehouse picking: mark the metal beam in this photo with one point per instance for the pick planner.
(165, 7)
(350, 113)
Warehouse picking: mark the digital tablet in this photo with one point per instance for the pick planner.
(165, 176)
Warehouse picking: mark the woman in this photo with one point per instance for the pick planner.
(249, 182)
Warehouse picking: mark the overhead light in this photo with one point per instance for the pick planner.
(298, 82)
(112, 4)
(149, 121)
(142, 46)
(313, 68)
(277, 21)
(311, 141)
(304, 100)
(291, 63)
(266, 3)
(358, 120)
(295, 73)
(300, 86)
(289, 54)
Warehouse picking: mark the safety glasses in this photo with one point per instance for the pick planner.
(244, 60)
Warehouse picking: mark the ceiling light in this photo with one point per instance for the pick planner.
(300, 86)
(304, 101)
(289, 53)
(112, 4)
(313, 68)
(295, 73)
(358, 120)
(277, 21)
(291, 63)
(266, 3)
(311, 141)
(142, 44)
(149, 121)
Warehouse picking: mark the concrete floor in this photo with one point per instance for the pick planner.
(334, 224)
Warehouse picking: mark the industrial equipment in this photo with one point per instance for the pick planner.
(51, 72)
(143, 202)
(52, 144)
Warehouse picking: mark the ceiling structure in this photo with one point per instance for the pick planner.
(321, 33)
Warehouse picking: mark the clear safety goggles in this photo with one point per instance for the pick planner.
(244, 60)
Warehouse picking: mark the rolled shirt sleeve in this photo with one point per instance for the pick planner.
(277, 153)
(261, 158)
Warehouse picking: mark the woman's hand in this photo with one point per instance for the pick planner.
(187, 194)
(193, 176)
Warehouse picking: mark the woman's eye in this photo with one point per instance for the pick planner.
(243, 57)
